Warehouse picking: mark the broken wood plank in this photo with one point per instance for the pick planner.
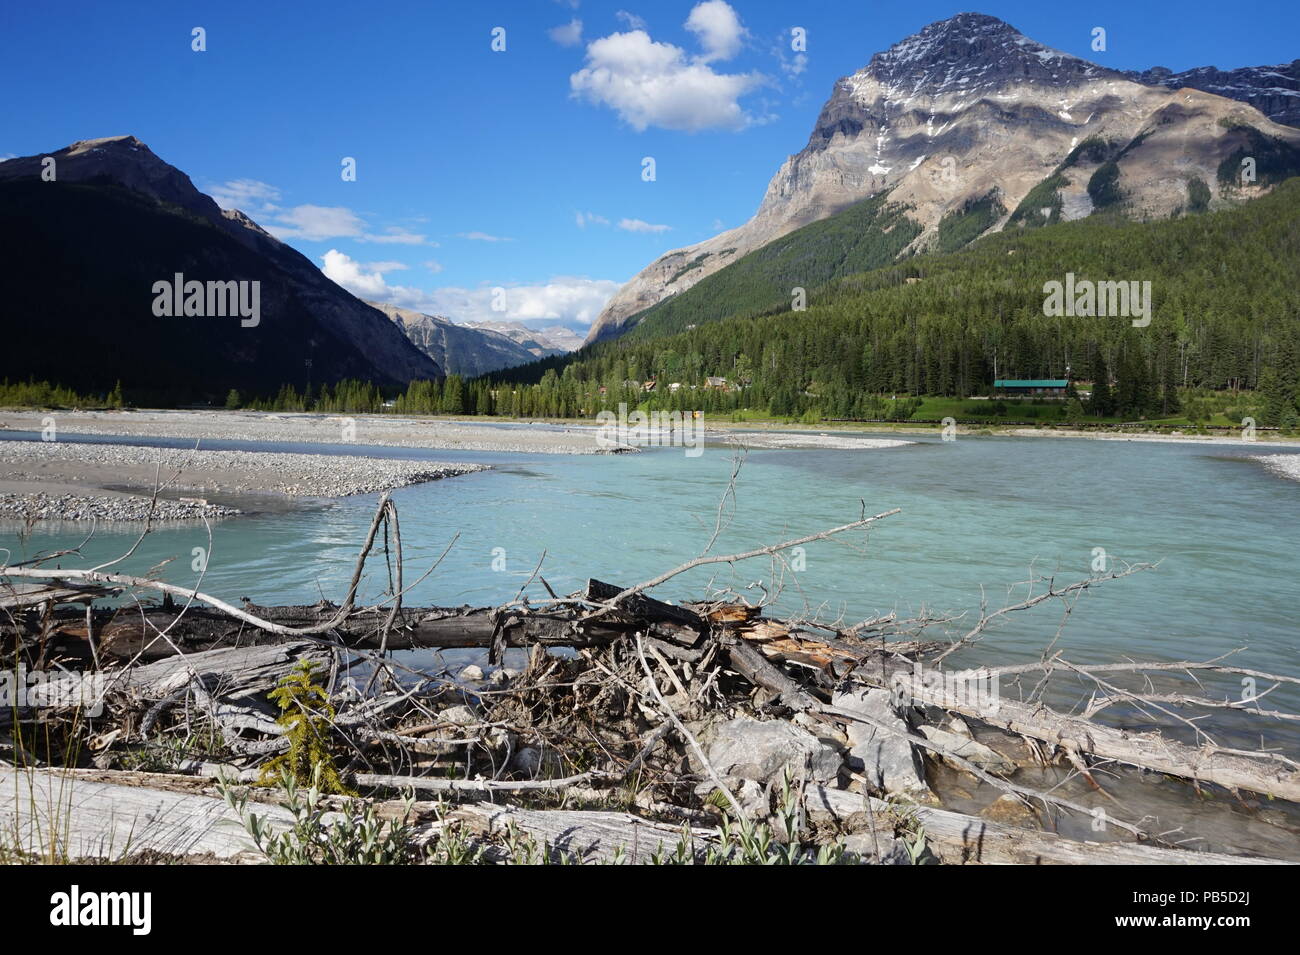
(647, 608)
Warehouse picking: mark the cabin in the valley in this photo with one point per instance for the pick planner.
(1032, 387)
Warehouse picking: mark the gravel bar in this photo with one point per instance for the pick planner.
(50, 477)
(105, 508)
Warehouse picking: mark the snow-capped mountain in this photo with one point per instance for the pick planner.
(969, 109)
(1273, 90)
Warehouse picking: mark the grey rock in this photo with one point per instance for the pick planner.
(986, 758)
(879, 849)
(888, 761)
(762, 751)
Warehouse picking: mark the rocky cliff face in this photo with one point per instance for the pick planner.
(382, 353)
(1273, 90)
(970, 109)
(462, 350)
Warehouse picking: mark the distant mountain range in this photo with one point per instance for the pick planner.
(540, 340)
(470, 350)
(81, 254)
(969, 127)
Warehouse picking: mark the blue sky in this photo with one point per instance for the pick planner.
(522, 168)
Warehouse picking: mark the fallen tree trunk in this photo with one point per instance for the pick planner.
(585, 836)
(128, 633)
(1147, 750)
(60, 818)
(957, 838)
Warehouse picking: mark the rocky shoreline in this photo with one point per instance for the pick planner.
(106, 508)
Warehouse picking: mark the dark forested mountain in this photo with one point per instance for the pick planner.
(79, 259)
(969, 122)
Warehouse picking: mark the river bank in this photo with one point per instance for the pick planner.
(55, 480)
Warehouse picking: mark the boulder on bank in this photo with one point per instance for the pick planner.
(969, 749)
(888, 761)
(745, 748)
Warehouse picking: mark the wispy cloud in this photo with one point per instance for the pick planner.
(567, 34)
(484, 237)
(640, 225)
(585, 219)
(631, 20)
(261, 201)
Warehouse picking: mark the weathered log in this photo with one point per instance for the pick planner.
(62, 818)
(128, 633)
(24, 596)
(956, 838)
(1147, 750)
(585, 836)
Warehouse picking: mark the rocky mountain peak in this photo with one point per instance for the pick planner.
(971, 53)
(970, 114)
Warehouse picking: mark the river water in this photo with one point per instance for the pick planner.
(979, 516)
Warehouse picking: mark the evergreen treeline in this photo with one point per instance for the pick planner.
(1225, 304)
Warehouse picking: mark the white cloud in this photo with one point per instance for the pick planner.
(382, 267)
(366, 281)
(718, 28)
(319, 223)
(433, 266)
(396, 235)
(564, 298)
(316, 223)
(260, 201)
(656, 84)
(250, 196)
(484, 237)
(631, 20)
(585, 219)
(639, 225)
(568, 34)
